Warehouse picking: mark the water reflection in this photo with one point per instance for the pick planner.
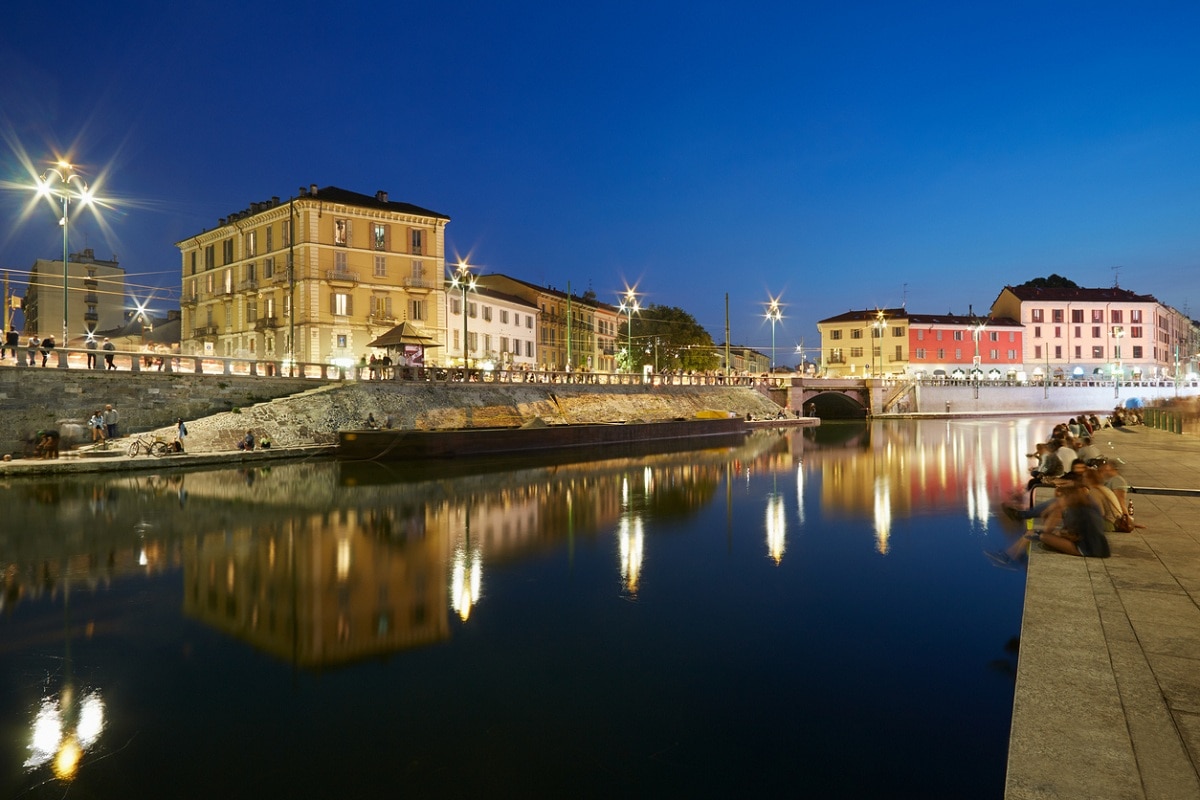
(323, 566)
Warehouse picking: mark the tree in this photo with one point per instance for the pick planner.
(1052, 282)
(669, 338)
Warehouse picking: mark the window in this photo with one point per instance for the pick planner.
(529, 349)
(1057, 331)
(228, 281)
(939, 335)
(856, 352)
(835, 334)
(1037, 331)
(1056, 315)
(339, 262)
(958, 336)
(251, 311)
(192, 258)
(504, 318)
(1035, 315)
(455, 305)
(503, 344)
(341, 304)
(380, 236)
(1012, 355)
(380, 266)
(227, 251)
(472, 310)
(268, 266)
(1098, 315)
(1137, 351)
(958, 354)
(1078, 351)
(920, 353)
(1098, 351)
(1037, 351)
(1058, 352)
(269, 307)
(1135, 332)
(473, 341)
(416, 310)
(341, 232)
(898, 330)
(487, 343)
(416, 242)
(285, 233)
(994, 355)
(210, 257)
(270, 245)
(994, 335)
(529, 321)
(341, 341)
(941, 354)
(487, 313)
(1095, 331)
(1135, 315)
(856, 333)
(899, 355)
(251, 243)
(1116, 317)
(1076, 315)
(208, 283)
(418, 273)
(921, 335)
(252, 272)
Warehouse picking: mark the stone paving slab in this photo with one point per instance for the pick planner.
(1107, 702)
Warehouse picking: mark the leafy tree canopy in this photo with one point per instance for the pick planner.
(674, 336)
(1052, 282)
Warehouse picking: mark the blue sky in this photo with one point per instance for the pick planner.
(839, 155)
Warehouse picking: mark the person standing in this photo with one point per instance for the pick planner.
(109, 348)
(96, 423)
(180, 435)
(91, 352)
(47, 348)
(110, 421)
(34, 344)
(11, 340)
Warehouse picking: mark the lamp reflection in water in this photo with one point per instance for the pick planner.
(776, 526)
(631, 541)
(65, 727)
(883, 514)
(466, 573)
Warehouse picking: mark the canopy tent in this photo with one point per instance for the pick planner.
(408, 342)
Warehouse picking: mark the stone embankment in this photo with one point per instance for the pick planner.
(220, 409)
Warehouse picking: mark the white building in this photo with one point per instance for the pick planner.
(501, 330)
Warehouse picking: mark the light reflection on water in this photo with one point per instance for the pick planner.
(877, 624)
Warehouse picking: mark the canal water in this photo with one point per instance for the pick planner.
(809, 613)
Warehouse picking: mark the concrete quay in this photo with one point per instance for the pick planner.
(1107, 701)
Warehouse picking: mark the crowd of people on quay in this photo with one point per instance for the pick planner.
(1076, 492)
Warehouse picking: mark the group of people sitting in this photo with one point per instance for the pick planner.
(1090, 497)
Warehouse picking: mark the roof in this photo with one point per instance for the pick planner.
(956, 319)
(868, 315)
(1114, 294)
(404, 333)
(335, 194)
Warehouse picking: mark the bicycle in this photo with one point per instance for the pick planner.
(151, 447)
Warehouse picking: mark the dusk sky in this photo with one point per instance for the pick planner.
(838, 155)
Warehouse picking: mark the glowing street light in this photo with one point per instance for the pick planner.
(62, 175)
(463, 280)
(878, 326)
(629, 306)
(774, 314)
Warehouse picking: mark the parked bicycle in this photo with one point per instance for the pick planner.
(151, 447)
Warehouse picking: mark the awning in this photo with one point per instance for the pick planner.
(403, 334)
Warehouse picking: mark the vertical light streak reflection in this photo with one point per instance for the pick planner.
(63, 732)
(466, 580)
(800, 493)
(883, 513)
(776, 521)
(631, 544)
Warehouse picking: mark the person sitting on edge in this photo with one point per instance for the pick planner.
(1088, 451)
(264, 442)
(247, 442)
(1081, 534)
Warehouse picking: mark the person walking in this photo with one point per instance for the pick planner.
(180, 435)
(47, 348)
(91, 352)
(109, 348)
(34, 344)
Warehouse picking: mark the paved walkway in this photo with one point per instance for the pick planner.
(1107, 699)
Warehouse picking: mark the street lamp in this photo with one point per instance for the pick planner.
(1118, 373)
(774, 314)
(878, 327)
(629, 306)
(64, 175)
(977, 326)
(463, 280)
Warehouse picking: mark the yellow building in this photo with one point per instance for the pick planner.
(363, 264)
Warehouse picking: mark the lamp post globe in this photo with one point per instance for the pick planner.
(58, 181)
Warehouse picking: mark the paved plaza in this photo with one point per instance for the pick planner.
(1107, 700)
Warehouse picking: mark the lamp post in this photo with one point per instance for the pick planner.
(464, 281)
(629, 306)
(64, 175)
(977, 326)
(878, 328)
(774, 314)
(1118, 332)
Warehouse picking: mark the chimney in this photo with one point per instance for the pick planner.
(381, 196)
(312, 189)
(301, 192)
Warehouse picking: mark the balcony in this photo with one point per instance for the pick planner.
(338, 276)
(248, 285)
(187, 302)
(381, 319)
(91, 299)
(205, 331)
(420, 283)
(91, 316)
(266, 323)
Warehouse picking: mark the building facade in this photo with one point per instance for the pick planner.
(501, 330)
(575, 332)
(95, 291)
(314, 279)
(1077, 333)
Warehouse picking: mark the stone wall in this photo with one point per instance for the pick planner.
(220, 409)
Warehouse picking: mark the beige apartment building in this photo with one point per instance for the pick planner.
(575, 330)
(95, 295)
(362, 265)
(1078, 333)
